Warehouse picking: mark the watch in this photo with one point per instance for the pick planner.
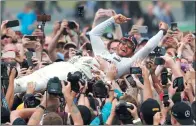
(136, 121)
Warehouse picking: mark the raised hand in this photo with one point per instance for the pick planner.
(119, 19)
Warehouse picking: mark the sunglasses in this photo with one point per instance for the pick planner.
(5, 36)
(129, 41)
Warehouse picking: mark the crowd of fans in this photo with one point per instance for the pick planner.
(97, 75)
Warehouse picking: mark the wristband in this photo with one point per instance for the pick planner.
(136, 121)
(42, 107)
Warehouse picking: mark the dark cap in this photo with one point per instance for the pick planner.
(69, 45)
(19, 121)
(182, 113)
(148, 109)
(131, 39)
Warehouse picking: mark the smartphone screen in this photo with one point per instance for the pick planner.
(29, 56)
(179, 83)
(131, 81)
(174, 26)
(165, 100)
(143, 29)
(164, 79)
(135, 70)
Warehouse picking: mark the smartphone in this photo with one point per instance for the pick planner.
(44, 18)
(72, 25)
(174, 26)
(24, 64)
(80, 11)
(179, 83)
(29, 56)
(13, 23)
(88, 46)
(165, 100)
(141, 79)
(135, 70)
(159, 61)
(131, 81)
(164, 79)
(143, 29)
(31, 37)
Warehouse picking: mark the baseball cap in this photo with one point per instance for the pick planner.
(131, 39)
(70, 44)
(19, 121)
(182, 113)
(148, 109)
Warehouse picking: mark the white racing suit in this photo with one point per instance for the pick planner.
(85, 64)
(57, 69)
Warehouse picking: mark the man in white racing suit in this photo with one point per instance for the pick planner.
(86, 64)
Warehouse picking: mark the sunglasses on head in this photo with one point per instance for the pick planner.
(5, 36)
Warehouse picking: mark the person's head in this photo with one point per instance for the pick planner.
(142, 43)
(113, 45)
(5, 39)
(127, 47)
(130, 99)
(171, 50)
(181, 114)
(70, 50)
(150, 9)
(148, 109)
(52, 118)
(85, 114)
(60, 46)
(28, 7)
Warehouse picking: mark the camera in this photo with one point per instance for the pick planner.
(122, 112)
(71, 25)
(159, 61)
(158, 51)
(54, 87)
(179, 83)
(79, 53)
(165, 100)
(74, 79)
(100, 90)
(30, 101)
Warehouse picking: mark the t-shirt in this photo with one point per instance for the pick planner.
(27, 19)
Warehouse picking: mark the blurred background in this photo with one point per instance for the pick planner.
(145, 12)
